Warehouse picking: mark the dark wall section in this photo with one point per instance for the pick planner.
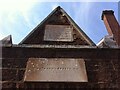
(87, 53)
(102, 67)
(119, 12)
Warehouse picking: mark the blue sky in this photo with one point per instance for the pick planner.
(19, 18)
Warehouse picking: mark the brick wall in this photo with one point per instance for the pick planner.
(102, 67)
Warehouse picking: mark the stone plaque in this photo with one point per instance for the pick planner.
(55, 70)
(58, 33)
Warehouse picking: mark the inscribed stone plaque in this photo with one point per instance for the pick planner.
(55, 69)
(58, 33)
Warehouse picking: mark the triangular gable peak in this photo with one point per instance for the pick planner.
(7, 40)
(57, 29)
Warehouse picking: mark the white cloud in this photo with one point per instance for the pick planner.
(9, 13)
(2, 36)
(54, 6)
(15, 5)
(74, 0)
